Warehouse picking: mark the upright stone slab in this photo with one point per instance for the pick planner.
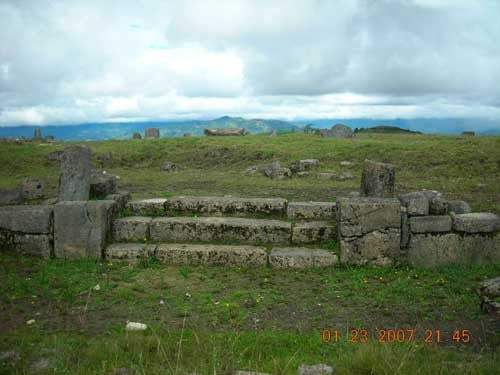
(37, 134)
(377, 180)
(152, 133)
(74, 180)
(81, 228)
(369, 230)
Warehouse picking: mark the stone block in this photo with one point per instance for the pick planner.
(313, 232)
(10, 196)
(438, 206)
(32, 188)
(291, 257)
(478, 222)
(377, 179)
(154, 206)
(102, 184)
(357, 216)
(459, 207)
(81, 228)
(225, 229)
(312, 210)
(131, 228)
(320, 369)
(430, 224)
(39, 245)
(121, 198)
(226, 206)
(152, 133)
(304, 165)
(405, 228)
(185, 254)
(380, 248)
(74, 180)
(416, 203)
(129, 252)
(27, 219)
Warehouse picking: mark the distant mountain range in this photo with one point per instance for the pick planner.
(125, 130)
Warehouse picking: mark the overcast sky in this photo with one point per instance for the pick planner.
(80, 61)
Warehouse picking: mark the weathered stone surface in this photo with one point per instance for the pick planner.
(105, 158)
(358, 216)
(338, 131)
(346, 163)
(55, 155)
(186, 254)
(37, 134)
(132, 228)
(129, 252)
(276, 171)
(10, 196)
(219, 229)
(478, 222)
(39, 245)
(313, 231)
(405, 228)
(225, 132)
(380, 248)
(378, 179)
(430, 224)
(226, 205)
(137, 136)
(81, 227)
(152, 133)
(489, 288)
(416, 203)
(459, 207)
(74, 180)
(293, 257)
(345, 176)
(319, 369)
(438, 206)
(147, 206)
(274, 133)
(32, 188)
(312, 210)
(121, 198)
(251, 170)
(327, 175)
(26, 219)
(168, 167)
(304, 165)
(482, 248)
(102, 184)
(303, 174)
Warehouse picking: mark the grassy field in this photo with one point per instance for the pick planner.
(214, 320)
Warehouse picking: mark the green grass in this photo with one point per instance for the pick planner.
(239, 318)
(461, 167)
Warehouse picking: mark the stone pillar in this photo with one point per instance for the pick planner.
(369, 230)
(74, 180)
(152, 133)
(37, 134)
(377, 180)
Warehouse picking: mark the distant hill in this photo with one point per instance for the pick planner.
(125, 130)
(387, 129)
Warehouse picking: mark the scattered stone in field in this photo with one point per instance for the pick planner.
(346, 164)
(11, 196)
(469, 133)
(152, 133)
(354, 194)
(32, 188)
(74, 180)
(31, 322)
(168, 167)
(37, 134)
(459, 207)
(378, 179)
(276, 171)
(251, 170)
(489, 291)
(337, 131)
(104, 158)
(41, 365)
(416, 203)
(481, 186)
(225, 132)
(137, 136)
(9, 355)
(327, 175)
(274, 133)
(345, 176)
(239, 372)
(134, 326)
(102, 184)
(320, 369)
(304, 165)
(121, 371)
(303, 174)
(478, 222)
(438, 206)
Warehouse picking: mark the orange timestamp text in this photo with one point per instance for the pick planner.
(362, 336)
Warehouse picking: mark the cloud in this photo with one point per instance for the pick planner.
(69, 62)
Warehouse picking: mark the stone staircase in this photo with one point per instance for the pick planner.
(225, 231)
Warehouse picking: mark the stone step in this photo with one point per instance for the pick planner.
(220, 229)
(222, 255)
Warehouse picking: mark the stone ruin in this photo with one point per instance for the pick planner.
(419, 228)
(221, 132)
(152, 133)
